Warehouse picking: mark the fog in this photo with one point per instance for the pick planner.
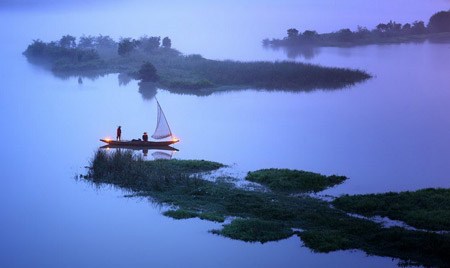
(204, 27)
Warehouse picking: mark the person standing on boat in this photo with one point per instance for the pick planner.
(119, 133)
(145, 136)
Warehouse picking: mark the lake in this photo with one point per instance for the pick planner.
(390, 133)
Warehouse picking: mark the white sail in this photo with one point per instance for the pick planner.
(162, 127)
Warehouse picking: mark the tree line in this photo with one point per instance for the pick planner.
(438, 23)
(88, 47)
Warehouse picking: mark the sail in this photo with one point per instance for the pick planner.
(162, 127)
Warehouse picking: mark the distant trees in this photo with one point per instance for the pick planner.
(166, 42)
(147, 73)
(89, 47)
(68, 41)
(292, 33)
(63, 51)
(308, 34)
(87, 42)
(418, 27)
(126, 46)
(439, 22)
(383, 32)
(345, 35)
(145, 43)
(104, 42)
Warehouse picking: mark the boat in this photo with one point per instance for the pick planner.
(162, 131)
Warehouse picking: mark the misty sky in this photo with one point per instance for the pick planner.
(196, 26)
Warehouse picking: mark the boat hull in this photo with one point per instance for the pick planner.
(141, 144)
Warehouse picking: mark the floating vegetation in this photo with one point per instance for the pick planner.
(258, 216)
(294, 180)
(424, 209)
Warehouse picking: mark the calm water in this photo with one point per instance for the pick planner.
(390, 133)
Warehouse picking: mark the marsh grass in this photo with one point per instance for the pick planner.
(255, 230)
(287, 180)
(262, 216)
(424, 209)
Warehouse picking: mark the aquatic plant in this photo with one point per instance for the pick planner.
(294, 180)
(426, 209)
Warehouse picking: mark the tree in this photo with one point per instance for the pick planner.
(439, 22)
(406, 28)
(104, 42)
(418, 27)
(147, 73)
(166, 42)
(345, 35)
(86, 42)
(393, 26)
(149, 43)
(382, 27)
(126, 46)
(292, 33)
(67, 41)
(308, 34)
(36, 49)
(362, 32)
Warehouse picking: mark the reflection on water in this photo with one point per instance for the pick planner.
(161, 155)
(306, 52)
(160, 152)
(148, 90)
(124, 79)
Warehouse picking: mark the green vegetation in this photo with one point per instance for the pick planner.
(255, 230)
(426, 209)
(95, 56)
(438, 28)
(180, 214)
(262, 216)
(294, 180)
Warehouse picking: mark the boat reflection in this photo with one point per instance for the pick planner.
(157, 152)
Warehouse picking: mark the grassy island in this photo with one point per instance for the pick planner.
(437, 30)
(147, 60)
(424, 209)
(294, 180)
(262, 216)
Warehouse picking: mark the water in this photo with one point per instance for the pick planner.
(387, 134)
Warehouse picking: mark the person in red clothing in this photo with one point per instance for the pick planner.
(119, 133)
(145, 136)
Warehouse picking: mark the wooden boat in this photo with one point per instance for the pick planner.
(138, 144)
(162, 131)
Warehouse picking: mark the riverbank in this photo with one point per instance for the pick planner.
(261, 216)
(330, 40)
(436, 30)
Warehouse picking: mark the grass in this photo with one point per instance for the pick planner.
(193, 74)
(180, 214)
(427, 209)
(255, 230)
(262, 216)
(294, 180)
